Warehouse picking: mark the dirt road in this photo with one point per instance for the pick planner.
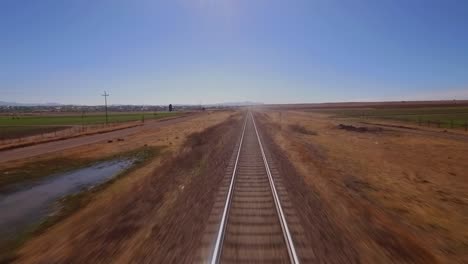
(40, 149)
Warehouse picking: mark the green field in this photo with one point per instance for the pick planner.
(67, 120)
(12, 132)
(28, 125)
(445, 117)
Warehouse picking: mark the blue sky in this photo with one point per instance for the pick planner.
(208, 51)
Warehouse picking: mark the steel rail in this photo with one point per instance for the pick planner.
(282, 219)
(222, 227)
(284, 225)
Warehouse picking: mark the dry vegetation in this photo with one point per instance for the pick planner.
(130, 213)
(364, 194)
(301, 129)
(383, 196)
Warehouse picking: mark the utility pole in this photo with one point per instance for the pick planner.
(105, 100)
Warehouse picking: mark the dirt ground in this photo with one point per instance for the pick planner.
(386, 195)
(60, 133)
(153, 209)
(382, 195)
(24, 153)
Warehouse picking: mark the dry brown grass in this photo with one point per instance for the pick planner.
(128, 214)
(399, 195)
(301, 129)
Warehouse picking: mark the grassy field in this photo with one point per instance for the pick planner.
(447, 117)
(405, 190)
(67, 120)
(29, 125)
(12, 132)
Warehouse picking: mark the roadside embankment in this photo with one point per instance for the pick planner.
(32, 205)
(158, 207)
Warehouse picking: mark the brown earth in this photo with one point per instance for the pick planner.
(388, 104)
(157, 208)
(24, 153)
(41, 137)
(386, 196)
(380, 197)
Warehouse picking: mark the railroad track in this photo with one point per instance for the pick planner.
(253, 224)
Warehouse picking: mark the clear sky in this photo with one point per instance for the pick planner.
(209, 51)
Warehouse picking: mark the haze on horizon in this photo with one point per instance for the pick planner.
(214, 51)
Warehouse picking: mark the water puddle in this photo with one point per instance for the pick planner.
(29, 205)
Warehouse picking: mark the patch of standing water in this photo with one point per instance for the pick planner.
(22, 208)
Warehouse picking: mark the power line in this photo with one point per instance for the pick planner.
(105, 100)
